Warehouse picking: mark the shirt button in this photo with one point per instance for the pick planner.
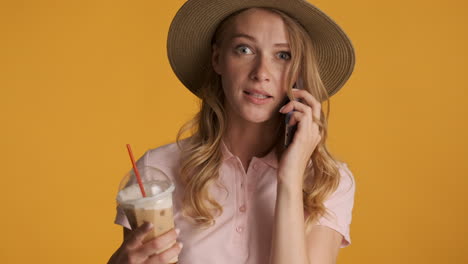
(242, 209)
(239, 229)
(255, 166)
(242, 185)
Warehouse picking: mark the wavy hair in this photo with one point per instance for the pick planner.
(202, 155)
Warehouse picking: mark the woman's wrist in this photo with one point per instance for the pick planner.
(288, 181)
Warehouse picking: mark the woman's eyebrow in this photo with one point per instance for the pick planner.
(242, 35)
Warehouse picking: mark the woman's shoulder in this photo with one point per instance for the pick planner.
(346, 173)
(347, 183)
(167, 155)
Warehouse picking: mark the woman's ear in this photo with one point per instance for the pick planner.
(215, 58)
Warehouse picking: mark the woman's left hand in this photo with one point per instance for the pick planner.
(297, 155)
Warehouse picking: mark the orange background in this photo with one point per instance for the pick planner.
(80, 79)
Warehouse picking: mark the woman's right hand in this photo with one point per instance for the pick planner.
(134, 251)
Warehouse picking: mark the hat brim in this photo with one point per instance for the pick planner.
(191, 31)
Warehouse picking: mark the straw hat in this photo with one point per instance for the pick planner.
(191, 31)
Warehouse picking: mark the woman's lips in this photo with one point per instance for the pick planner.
(256, 100)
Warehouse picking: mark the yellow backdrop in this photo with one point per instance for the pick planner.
(80, 79)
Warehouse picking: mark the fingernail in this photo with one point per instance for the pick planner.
(177, 231)
(150, 225)
(281, 109)
(181, 245)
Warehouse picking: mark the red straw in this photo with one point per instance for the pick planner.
(137, 174)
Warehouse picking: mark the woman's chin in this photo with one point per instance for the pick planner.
(257, 117)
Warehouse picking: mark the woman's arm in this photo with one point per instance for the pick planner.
(290, 242)
(288, 245)
(323, 244)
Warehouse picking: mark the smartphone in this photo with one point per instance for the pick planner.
(290, 130)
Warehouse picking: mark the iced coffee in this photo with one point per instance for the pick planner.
(155, 208)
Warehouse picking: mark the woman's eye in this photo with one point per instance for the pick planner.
(243, 49)
(285, 55)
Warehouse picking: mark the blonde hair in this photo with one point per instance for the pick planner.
(202, 155)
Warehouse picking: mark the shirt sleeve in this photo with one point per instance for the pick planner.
(121, 218)
(340, 205)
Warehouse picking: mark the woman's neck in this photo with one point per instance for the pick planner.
(246, 139)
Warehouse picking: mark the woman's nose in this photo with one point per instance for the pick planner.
(260, 71)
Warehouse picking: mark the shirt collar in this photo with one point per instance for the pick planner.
(270, 159)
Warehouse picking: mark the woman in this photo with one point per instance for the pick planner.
(241, 195)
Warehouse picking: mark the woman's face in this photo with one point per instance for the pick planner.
(252, 59)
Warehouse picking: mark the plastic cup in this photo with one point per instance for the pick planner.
(155, 208)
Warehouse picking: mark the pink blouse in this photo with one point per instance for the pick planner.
(243, 233)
